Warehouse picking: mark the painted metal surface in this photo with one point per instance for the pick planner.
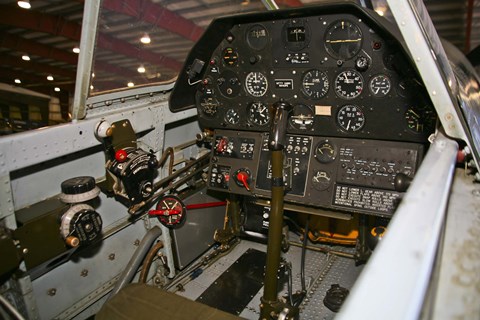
(395, 280)
(458, 295)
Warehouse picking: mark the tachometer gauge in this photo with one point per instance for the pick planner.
(257, 37)
(420, 119)
(302, 117)
(325, 152)
(315, 84)
(349, 84)
(380, 85)
(256, 84)
(343, 39)
(258, 114)
(232, 116)
(230, 56)
(170, 211)
(350, 118)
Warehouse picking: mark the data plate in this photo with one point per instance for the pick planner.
(366, 199)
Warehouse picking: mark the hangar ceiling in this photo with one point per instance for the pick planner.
(49, 31)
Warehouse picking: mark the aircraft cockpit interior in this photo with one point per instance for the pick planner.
(314, 162)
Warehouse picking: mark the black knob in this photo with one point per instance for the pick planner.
(362, 63)
(78, 185)
(401, 182)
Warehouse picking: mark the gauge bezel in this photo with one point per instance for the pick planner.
(357, 91)
(249, 40)
(296, 45)
(346, 126)
(335, 53)
(370, 83)
(253, 118)
(234, 61)
(328, 158)
(256, 92)
(227, 118)
(316, 94)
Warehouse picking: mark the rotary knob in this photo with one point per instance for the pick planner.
(80, 225)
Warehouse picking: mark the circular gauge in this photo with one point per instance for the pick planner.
(230, 56)
(349, 84)
(380, 85)
(209, 105)
(257, 37)
(302, 117)
(232, 116)
(321, 180)
(256, 84)
(421, 119)
(325, 151)
(258, 113)
(315, 84)
(296, 34)
(229, 84)
(343, 39)
(350, 118)
(170, 211)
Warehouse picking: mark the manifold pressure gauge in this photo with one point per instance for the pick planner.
(170, 211)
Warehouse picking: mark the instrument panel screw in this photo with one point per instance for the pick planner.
(52, 292)
(111, 256)
(136, 243)
(84, 273)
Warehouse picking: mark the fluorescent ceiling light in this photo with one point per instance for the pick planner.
(50, 77)
(18, 81)
(76, 49)
(26, 57)
(57, 89)
(130, 84)
(145, 39)
(141, 69)
(25, 4)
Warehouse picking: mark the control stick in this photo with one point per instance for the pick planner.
(270, 302)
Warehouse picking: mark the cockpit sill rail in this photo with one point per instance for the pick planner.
(395, 280)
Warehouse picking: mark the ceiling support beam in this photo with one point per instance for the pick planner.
(58, 26)
(8, 60)
(156, 15)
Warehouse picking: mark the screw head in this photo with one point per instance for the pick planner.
(111, 256)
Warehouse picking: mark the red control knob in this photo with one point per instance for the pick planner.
(121, 155)
(243, 178)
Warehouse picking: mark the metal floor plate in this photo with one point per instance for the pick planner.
(321, 270)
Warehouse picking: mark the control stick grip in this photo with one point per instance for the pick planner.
(278, 130)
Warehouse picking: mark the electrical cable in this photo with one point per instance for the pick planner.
(11, 308)
(148, 261)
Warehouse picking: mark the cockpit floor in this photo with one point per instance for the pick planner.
(321, 272)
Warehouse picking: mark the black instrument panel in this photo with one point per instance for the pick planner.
(359, 117)
(341, 76)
